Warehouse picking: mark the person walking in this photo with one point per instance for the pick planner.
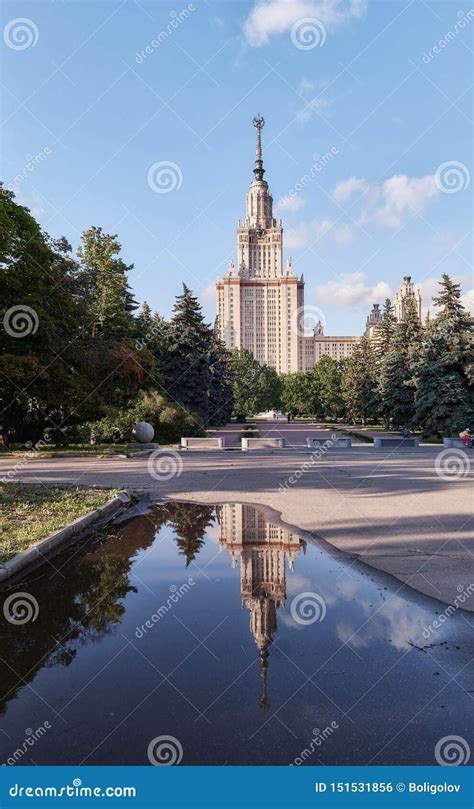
(466, 437)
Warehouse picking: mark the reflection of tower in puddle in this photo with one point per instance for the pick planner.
(263, 549)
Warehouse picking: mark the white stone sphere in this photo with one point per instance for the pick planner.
(143, 432)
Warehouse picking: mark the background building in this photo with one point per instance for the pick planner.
(260, 304)
(407, 290)
(318, 345)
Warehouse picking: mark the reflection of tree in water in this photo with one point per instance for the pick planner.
(84, 601)
(189, 522)
(77, 605)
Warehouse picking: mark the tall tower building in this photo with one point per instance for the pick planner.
(407, 290)
(260, 303)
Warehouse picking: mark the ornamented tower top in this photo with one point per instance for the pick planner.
(259, 235)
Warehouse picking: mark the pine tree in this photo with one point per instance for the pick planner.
(397, 368)
(385, 330)
(359, 383)
(443, 401)
(185, 363)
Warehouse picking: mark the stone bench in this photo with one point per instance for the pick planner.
(263, 443)
(454, 442)
(394, 442)
(328, 443)
(202, 443)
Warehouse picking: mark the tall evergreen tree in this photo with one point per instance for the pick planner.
(359, 383)
(397, 368)
(185, 363)
(385, 330)
(444, 401)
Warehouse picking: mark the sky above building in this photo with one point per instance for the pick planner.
(136, 117)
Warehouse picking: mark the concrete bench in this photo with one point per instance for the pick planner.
(202, 443)
(454, 442)
(329, 443)
(263, 443)
(395, 442)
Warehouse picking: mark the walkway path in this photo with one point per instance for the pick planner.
(391, 509)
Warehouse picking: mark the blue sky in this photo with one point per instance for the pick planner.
(97, 99)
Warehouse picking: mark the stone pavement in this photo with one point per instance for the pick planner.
(400, 511)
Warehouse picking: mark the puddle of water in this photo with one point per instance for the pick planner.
(236, 637)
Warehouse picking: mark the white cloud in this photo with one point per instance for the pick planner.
(402, 197)
(391, 204)
(467, 300)
(307, 233)
(352, 289)
(344, 189)
(269, 18)
(310, 107)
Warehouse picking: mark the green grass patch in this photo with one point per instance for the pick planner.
(30, 513)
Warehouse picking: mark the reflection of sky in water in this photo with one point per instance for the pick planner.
(228, 668)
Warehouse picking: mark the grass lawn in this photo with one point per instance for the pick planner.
(30, 513)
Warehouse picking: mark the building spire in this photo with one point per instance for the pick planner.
(259, 171)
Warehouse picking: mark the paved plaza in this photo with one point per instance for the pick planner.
(400, 511)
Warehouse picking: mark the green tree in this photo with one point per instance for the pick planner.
(397, 369)
(105, 278)
(186, 356)
(255, 387)
(385, 330)
(221, 398)
(443, 399)
(327, 375)
(359, 383)
(300, 393)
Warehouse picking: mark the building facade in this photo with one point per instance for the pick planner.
(260, 302)
(319, 345)
(407, 290)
